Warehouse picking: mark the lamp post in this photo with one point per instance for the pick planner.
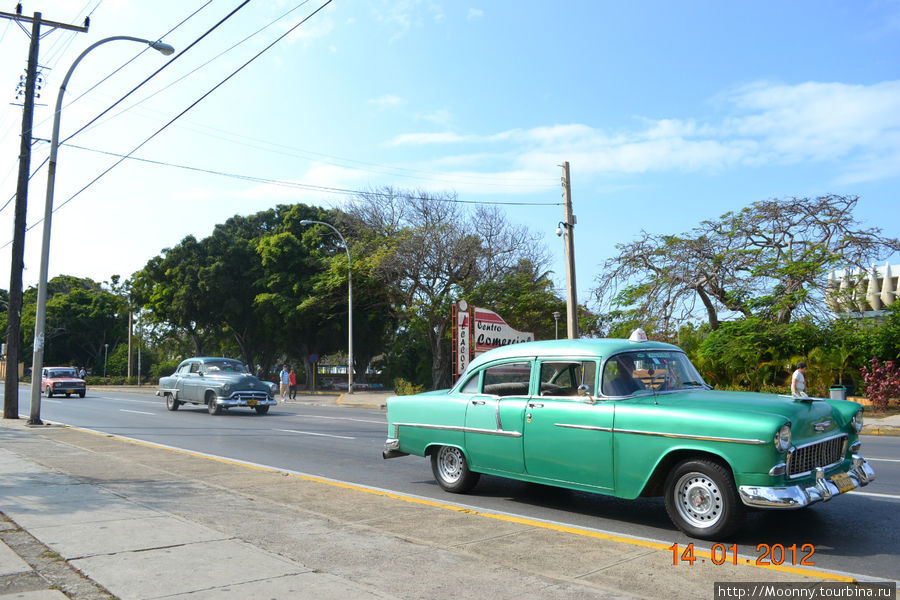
(349, 303)
(556, 321)
(37, 362)
(105, 357)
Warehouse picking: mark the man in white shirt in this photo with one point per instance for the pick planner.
(798, 381)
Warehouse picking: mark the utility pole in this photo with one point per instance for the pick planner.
(14, 315)
(568, 226)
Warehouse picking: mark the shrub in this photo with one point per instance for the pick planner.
(881, 382)
(403, 387)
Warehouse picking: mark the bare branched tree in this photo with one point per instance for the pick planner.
(770, 259)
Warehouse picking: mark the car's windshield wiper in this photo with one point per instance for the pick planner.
(694, 384)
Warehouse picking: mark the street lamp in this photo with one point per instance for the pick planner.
(556, 316)
(37, 362)
(349, 303)
(105, 357)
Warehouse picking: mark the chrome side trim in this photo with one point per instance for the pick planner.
(798, 496)
(588, 427)
(499, 432)
(705, 438)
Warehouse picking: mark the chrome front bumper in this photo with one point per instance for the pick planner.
(798, 496)
(392, 449)
(238, 399)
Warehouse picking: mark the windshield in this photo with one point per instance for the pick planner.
(60, 373)
(225, 366)
(632, 373)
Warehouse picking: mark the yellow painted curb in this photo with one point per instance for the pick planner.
(702, 554)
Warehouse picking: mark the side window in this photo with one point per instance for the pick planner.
(195, 367)
(562, 378)
(185, 368)
(509, 379)
(471, 386)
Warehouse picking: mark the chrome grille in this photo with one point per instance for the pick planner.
(821, 454)
(248, 395)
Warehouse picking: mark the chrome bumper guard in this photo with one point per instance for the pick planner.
(796, 496)
(392, 449)
(243, 399)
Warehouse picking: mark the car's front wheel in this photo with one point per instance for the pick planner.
(261, 410)
(451, 470)
(171, 402)
(211, 406)
(49, 392)
(702, 500)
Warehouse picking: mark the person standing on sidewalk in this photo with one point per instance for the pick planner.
(798, 381)
(285, 378)
(292, 382)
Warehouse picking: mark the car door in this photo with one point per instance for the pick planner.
(493, 431)
(567, 436)
(189, 382)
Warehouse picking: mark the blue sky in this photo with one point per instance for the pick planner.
(668, 113)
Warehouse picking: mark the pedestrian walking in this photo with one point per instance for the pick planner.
(798, 381)
(292, 382)
(285, 378)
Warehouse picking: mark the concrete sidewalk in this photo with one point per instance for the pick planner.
(96, 517)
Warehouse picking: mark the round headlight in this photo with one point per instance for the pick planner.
(783, 438)
(226, 388)
(858, 420)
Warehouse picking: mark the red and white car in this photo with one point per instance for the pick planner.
(62, 380)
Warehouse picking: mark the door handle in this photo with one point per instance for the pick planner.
(535, 405)
(477, 402)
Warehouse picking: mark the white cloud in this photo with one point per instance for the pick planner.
(856, 127)
(387, 101)
(475, 13)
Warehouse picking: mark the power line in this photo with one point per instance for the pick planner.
(195, 102)
(293, 184)
(185, 76)
(96, 85)
(159, 70)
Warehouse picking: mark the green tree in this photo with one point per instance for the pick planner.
(769, 260)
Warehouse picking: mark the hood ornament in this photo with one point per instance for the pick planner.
(822, 426)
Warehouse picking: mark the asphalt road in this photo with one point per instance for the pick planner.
(857, 534)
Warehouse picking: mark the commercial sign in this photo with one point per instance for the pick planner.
(477, 330)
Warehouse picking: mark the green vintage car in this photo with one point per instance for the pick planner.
(629, 419)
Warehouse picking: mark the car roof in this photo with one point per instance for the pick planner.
(205, 359)
(586, 348)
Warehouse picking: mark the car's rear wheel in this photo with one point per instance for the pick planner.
(81, 394)
(211, 406)
(171, 402)
(451, 470)
(49, 392)
(261, 410)
(68, 395)
(702, 500)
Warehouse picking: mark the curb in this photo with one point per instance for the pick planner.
(880, 430)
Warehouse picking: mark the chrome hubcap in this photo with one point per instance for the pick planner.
(450, 463)
(698, 500)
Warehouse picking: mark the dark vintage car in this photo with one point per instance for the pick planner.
(218, 383)
(62, 380)
(631, 418)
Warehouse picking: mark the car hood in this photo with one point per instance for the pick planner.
(805, 416)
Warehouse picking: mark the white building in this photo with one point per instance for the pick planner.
(862, 293)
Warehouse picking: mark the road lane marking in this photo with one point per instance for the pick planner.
(137, 412)
(342, 437)
(384, 422)
(663, 546)
(874, 495)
